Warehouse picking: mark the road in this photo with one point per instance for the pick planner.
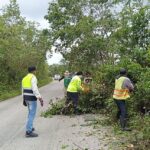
(56, 133)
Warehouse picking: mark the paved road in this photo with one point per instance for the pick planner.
(59, 132)
(13, 117)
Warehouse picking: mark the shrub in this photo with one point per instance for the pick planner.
(54, 109)
(142, 93)
(141, 139)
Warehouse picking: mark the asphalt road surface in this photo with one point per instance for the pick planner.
(56, 133)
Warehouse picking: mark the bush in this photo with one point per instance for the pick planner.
(8, 91)
(54, 109)
(141, 138)
(142, 93)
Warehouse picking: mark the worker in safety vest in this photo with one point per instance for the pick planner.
(30, 95)
(123, 87)
(73, 90)
(67, 78)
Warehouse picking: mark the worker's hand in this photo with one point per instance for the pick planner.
(81, 88)
(41, 101)
(131, 90)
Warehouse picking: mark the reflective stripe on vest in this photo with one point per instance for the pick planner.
(27, 88)
(119, 92)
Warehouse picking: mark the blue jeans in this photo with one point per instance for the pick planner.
(32, 106)
(122, 112)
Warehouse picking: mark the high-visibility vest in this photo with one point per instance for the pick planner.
(74, 85)
(27, 88)
(119, 92)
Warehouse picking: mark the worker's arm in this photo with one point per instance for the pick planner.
(61, 78)
(128, 84)
(36, 90)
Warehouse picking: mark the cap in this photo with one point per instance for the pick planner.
(79, 73)
(31, 68)
(123, 71)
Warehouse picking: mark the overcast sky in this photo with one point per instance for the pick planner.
(35, 10)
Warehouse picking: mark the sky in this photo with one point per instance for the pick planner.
(35, 10)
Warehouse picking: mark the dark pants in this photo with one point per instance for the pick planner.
(122, 112)
(74, 97)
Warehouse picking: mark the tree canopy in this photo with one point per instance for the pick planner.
(89, 32)
(22, 45)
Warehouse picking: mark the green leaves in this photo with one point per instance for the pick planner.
(21, 45)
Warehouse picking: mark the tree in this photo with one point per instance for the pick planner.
(83, 29)
(22, 45)
(132, 36)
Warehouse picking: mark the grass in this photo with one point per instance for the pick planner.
(64, 146)
(137, 139)
(44, 81)
(10, 92)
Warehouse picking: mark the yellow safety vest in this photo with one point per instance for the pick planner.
(74, 85)
(27, 88)
(119, 92)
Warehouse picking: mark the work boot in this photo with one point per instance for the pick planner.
(76, 111)
(31, 134)
(126, 129)
(123, 124)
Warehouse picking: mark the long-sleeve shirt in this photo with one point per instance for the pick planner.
(35, 87)
(127, 84)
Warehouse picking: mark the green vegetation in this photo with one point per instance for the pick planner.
(14, 90)
(9, 93)
(92, 35)
(22, 45)
(54, 109)
(98, 37)
(64, 146)
(58, 68)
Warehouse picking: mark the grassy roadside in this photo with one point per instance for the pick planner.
(137, 139)
(10, 92)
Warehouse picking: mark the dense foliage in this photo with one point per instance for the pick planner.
(58, 68)
(103, 36)
(21, 45)
(100, 36)
(95, 36)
